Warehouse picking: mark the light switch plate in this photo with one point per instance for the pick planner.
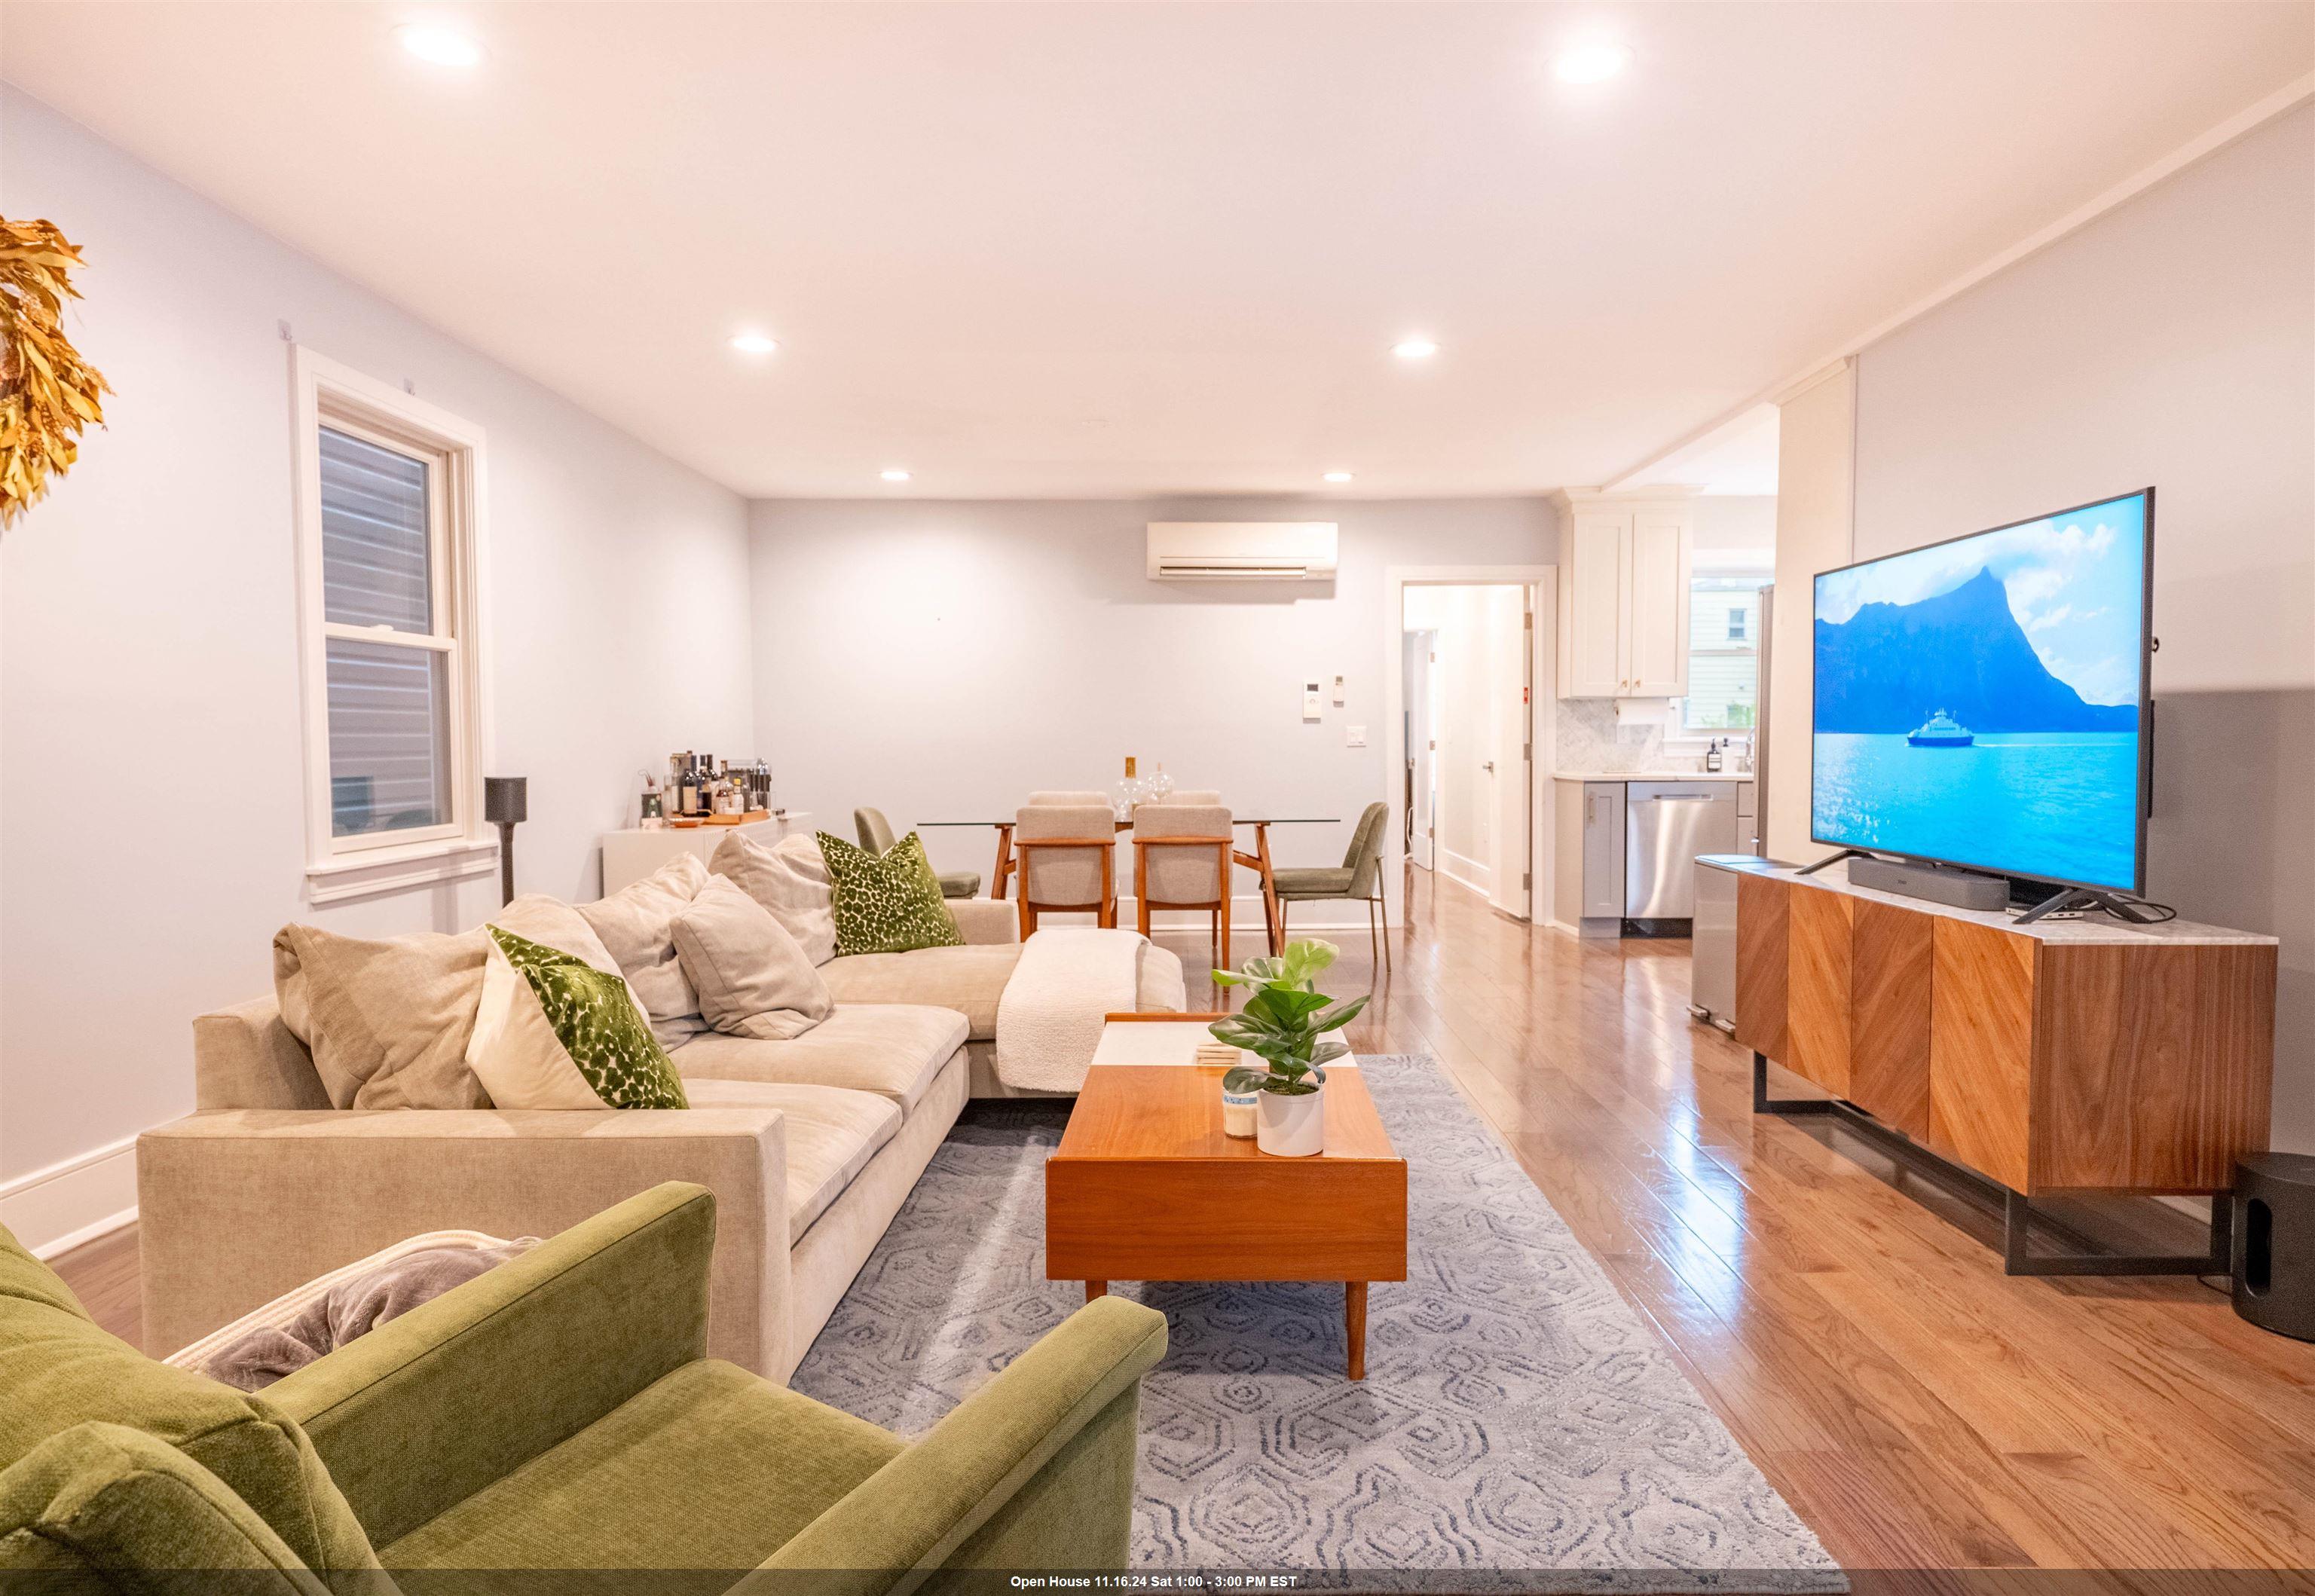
(1354, 737)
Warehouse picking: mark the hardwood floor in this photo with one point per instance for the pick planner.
(1849, 1320)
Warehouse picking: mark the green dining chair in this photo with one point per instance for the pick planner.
(1359, 878)
(876, 837)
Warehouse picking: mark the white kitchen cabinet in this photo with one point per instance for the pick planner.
(1623, 596)
(1592, 602)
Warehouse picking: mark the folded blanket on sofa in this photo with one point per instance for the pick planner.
(1050, 1019)
(323, 1314)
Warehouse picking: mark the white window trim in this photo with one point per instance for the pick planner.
(338, 868)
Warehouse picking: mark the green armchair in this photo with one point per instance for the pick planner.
(558, 1413)
(876, 837)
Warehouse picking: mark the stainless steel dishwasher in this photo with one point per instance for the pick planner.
(1666, 825)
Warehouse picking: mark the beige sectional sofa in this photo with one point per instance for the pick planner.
(811, 1145)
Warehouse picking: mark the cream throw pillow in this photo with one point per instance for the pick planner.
(637, 925)
(751, 977)
(789, 879)
(554, 924)
(385, 1021)
(552, 1030)
(388, 1021)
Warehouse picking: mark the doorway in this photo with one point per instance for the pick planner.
(1464, 729)
(1419, 722)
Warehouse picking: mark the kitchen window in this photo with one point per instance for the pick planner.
(387, 542)
(1724, 654)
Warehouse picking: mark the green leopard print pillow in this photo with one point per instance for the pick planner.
(886, 903)
(553, 1031)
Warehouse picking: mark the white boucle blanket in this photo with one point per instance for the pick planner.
(1049, 1021)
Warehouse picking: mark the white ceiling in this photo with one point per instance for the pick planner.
(1738, 456)
(1061, 250)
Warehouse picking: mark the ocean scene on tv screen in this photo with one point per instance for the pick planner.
(1977, 701)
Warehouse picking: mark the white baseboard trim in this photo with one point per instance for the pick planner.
(1480, 878)
(54, 1209)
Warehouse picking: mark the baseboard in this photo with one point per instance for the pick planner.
(54, 1209)
(1480, 878)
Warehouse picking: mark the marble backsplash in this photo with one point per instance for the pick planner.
(1594, 737)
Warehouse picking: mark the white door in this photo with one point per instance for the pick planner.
(1593, 605)
(1658, 627)
(1512, 634)
(1421, 778)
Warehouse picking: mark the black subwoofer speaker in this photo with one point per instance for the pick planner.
(2274, 1243)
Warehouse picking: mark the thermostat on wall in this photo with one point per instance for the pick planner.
(1311, 691)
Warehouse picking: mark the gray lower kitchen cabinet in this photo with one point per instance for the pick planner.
(1623, 849)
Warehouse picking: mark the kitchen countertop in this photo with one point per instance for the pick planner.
(1652, 775)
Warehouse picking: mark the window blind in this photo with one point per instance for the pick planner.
(389, 701)
(389, 738)
(376, 568)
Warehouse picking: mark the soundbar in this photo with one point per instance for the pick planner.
(1938, 883)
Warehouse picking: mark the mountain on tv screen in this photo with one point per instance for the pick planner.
(1978, 701)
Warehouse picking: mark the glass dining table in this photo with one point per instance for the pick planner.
(1258, 861)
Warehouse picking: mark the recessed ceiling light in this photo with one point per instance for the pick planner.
(1414, 348)
(894, 474)
(1591, 63)
(754, 343)
(1338, 476)
(442, 46)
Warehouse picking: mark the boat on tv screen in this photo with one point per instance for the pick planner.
(1977, 701)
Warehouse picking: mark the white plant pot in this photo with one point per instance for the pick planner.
(1291, 1127)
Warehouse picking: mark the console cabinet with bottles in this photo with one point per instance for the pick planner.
(1623, 595)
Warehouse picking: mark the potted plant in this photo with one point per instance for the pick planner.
(1284, 1024)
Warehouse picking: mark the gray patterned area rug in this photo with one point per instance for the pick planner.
(1518, 1422)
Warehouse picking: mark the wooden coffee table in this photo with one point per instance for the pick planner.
(1146, 1186)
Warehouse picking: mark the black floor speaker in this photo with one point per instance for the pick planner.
(2274, 1243)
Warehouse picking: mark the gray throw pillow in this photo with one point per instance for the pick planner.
(636, 924)
(751, 978)
(789, 879)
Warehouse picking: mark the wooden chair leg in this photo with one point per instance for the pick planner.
(1382, 921)
(1222, 908)
(1141, 886)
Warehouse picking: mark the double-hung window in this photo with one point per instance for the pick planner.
(1724, 654)
(388, 613)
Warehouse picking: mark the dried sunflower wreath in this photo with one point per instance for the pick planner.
(48, 393)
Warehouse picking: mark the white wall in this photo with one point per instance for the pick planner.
(149, 726)
(2171, 342)
(881, 625)
(1815, 496)
(1735, 531)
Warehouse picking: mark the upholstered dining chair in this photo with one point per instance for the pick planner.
(1056, 799)
(1182, 858)
(1358, 877)
(1068, 861)
(876, 836)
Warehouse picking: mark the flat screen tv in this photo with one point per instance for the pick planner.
(1982, 702)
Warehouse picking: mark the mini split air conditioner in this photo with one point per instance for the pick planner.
(1241, 551)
